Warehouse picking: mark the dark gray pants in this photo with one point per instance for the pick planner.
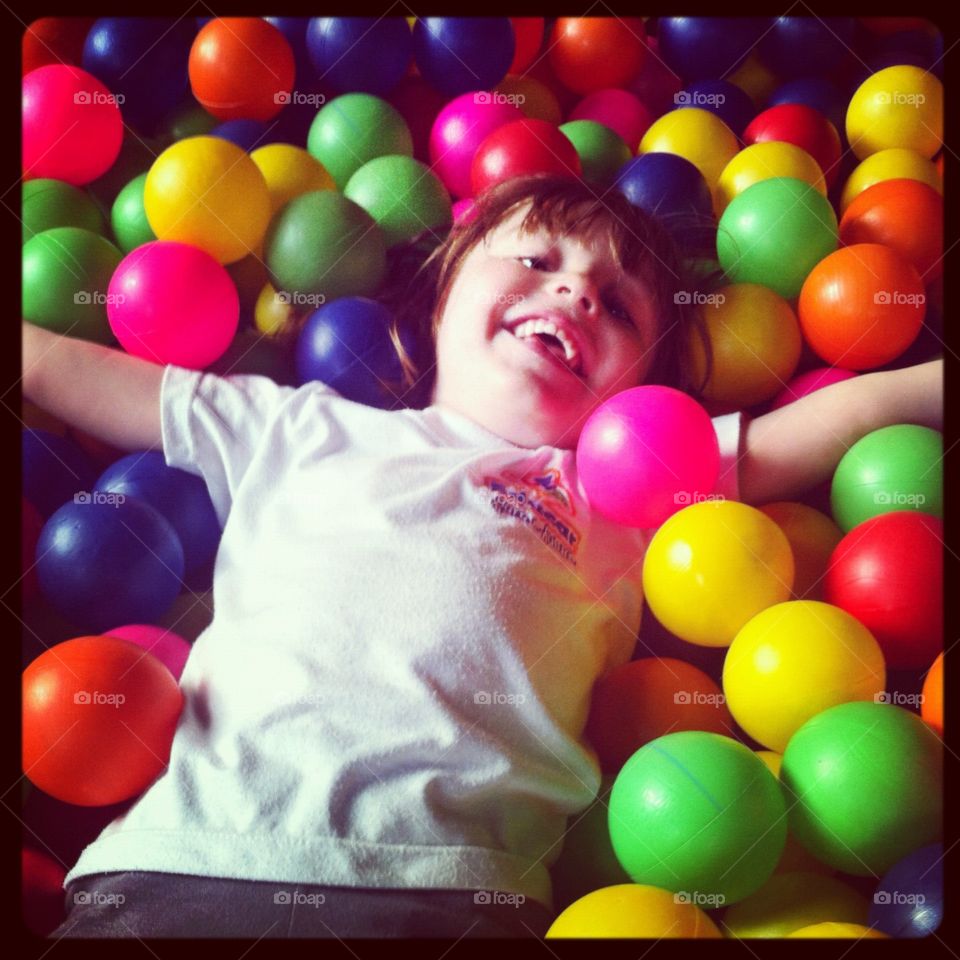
(147, 904)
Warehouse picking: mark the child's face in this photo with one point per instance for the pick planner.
(511, 385)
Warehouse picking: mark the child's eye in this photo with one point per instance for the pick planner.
(618, 310)
(537, 263)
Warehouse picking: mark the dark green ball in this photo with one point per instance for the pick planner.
(53, 203)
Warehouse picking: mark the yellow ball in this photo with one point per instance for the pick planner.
(761, 161)
(713, 566)
(290, 171)
(273, 313)
(794, 660)
(897, 107)
(827, 931)
(890, 165)
(206, 191)
(755, 342)
(632, 910)
(755, 79)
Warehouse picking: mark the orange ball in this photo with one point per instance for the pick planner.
(99, 715)
(593, 53)
(931, 707)
(241, 67)
(645, 699)
(861, 306)
(905, 215)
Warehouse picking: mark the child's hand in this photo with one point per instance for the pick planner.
(790, 450)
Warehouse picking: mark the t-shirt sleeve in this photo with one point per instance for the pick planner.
(212, 425)
(730, 428)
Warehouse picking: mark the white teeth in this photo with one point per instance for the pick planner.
(530, 327)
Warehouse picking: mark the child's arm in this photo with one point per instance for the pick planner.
(790, 450)
(105, 392)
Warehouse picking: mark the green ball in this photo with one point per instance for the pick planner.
(187, 120)
(775, 233)
(867, 784)
(323, 243)
(403, 195)
(899, 467)
(352, 130)
(128, 218)
(602, 152)
(52, 203)
(698, 813)
(66, 274)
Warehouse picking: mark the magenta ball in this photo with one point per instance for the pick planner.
(808, 382)
(646, 453)
(464, 211)
(168, 647)
(173, 303)
(460, 127)
(618, 110)
(72, 127)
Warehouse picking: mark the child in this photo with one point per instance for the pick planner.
(382, 730)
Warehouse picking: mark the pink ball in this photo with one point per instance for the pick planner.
(619, 110)
(171, 302)
(168, 647)
(808, 382)
(464, 211)
(461, 126)
(72, 127)
(646, 453)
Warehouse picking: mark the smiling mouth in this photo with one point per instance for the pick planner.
(545, 337)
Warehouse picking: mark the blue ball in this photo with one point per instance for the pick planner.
(246, 134)
(54, 469)
(707, 48)
(908, 901)
(101, 563)
(819, 94)
(180, 496)
(346, 345)
(728, 101)
(804, 46)
(459, 54)
(295, 30)
(360, 54)
(142, 59)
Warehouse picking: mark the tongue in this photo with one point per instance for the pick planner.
(553, 345)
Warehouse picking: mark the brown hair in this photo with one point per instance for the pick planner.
(423, 270)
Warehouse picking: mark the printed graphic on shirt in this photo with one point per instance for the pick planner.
(541, 501)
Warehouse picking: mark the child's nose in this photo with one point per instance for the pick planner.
(577, 290)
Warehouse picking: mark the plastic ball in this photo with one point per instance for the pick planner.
(273, 313)
(42, 891)
(419, 105)
(457, 54)
(645, 699)
(754, 79)
(712, 567)
(861, 810)
(102, 558)
(632, 910)
(528, 38)
(403, 196)
(251, 352)
(47, 204)
(696, 811)
(705, 48)
(721, 97)
(793, 660)
(241, 67)
(901, 106)
(813, 536)
(861, 306)
(99, 717)
(360, 54)
(892, 164)
(207, 192)
(246, 134)
(352, 129)
(464, 211)
(137, 154)
(836, 931)
(248, 276)
(623, 112)
(888, 573)
(66, 275)
(172, 303)
(72, 128)
(534, 98)
(522, 147)
(323, 244)
(459, 129)
(168, 647)
(601, 151)
(54, 40)
(809, 382)
(763, 161)
(180, 496)
(818, 93)
(643, 451)
(808, 46)
(187, 120)
(128, 216)
(905, 215)
(593, 53)
(755, 345)
(54, 469)
(288, 172)
(908, 901)
(931, 707)
(143, 60)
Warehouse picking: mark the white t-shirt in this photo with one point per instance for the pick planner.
(409, 615)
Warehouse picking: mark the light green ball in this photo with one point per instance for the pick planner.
(602, 152)
(128, 217)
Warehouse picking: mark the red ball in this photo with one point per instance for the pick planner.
(55, 40)
(888, 573)
(528, 38)
(802, 126)
(619, 110)
(591, 53)
(99, 714)
(520, 147)
(42, 891)
(241, 67)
